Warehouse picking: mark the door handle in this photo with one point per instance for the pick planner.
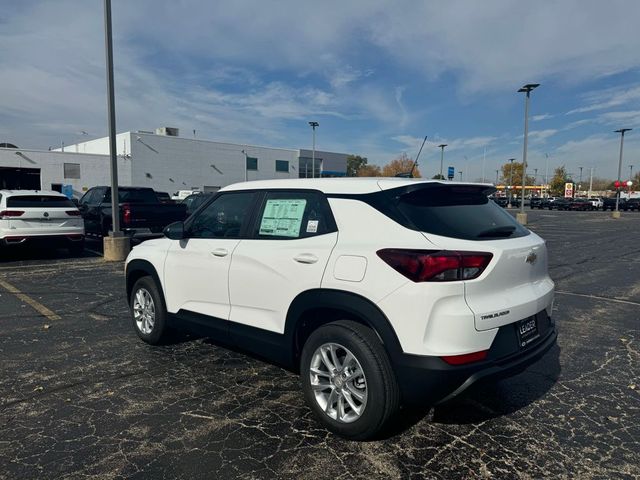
(220, 252)
(306, 258)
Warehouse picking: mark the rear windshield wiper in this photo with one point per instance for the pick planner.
(504, 231)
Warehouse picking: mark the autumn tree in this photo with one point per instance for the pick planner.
(354, 164)
(400, 165)
(516, 179)
(369, 171)
(556, 184)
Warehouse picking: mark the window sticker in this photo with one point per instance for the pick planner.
(282, 217)
(312, 226)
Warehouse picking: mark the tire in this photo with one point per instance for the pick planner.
(76, 248)
(377, 384)
(150, 323)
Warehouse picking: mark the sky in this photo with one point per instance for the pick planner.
(377, 75)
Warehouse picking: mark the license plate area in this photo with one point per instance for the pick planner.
(527, 331)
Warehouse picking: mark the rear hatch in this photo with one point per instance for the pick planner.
(459, 217)
(42, 215)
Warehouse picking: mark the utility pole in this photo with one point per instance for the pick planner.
(510, 181)
(442, 145)
(522, 217)
(313, 151)
(616, 213)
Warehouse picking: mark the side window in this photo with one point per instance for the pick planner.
(90, 198)
(224, 217)
(292, 215)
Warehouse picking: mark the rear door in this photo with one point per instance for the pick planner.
(292, 238)
(515, 284)
(43, 214)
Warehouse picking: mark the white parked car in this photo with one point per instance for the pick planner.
(40, 217)
(379, 292)
(596, 202)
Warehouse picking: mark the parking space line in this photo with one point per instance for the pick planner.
(37, 306)
(595, 297)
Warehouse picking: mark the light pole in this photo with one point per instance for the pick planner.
(546, 176)
(313, 151)
(522, 217)
(442, 145)
(510, 181)
(460, 172)
(535, 177)
(631, 172)
(590, 181)
(497, 172)
(616, 213)
(246, 173)
(116, 245)
(580, 181)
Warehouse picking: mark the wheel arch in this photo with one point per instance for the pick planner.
(313, 308)
(136, 269)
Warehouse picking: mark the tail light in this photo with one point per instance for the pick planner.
(466, 358)
(10, 213)
(436, 266)
(73, 213)
(126, 213)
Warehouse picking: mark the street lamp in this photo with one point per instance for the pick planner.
(510, 182)
(442, 145)
(616, 213)
(497, 172)
(460, 172)
(246, 173)
(580, 180)
(313, 152)
(630, 172)
(522, 217)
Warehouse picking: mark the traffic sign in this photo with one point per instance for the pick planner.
(451, 173)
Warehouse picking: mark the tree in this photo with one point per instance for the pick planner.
(402, 164)
(516, 179)
(437, 176)
(369, 171)
(354, 164)
(556, 184)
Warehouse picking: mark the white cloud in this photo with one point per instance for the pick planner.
(541, 136)
(609, 98)
(544, 116)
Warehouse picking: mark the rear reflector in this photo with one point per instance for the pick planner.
(126, 213)
(466, 358)
(73, 213)
(436, 266)
(11, 213)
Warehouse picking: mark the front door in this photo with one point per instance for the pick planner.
(197, 268)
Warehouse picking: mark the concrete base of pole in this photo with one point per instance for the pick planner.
(521, 218)
(116, 249)
(615, 214)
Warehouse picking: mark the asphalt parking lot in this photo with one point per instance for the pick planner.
(81, 396)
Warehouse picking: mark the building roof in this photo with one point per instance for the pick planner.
(339, 185)
(16, 193)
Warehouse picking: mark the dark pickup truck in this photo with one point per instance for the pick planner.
(140, 211)
(609, 203)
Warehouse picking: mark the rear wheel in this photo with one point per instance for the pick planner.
(347, 379)
(148, 312)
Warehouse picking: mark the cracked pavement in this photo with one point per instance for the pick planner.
(82, 397)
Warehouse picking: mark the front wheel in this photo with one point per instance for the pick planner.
(148, 312)
(347, 380)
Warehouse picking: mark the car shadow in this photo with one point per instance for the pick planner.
(486, 399)
(25, 253)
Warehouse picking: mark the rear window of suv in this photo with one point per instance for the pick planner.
(44, 201)
(456, 211)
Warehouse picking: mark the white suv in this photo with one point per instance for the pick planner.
(40, 217)
(379, 292)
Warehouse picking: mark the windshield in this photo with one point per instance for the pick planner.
(457, 211)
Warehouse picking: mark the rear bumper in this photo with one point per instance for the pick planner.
(430, 380)
(56, 240)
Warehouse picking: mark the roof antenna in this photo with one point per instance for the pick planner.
(415, 164)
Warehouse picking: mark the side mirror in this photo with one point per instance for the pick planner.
(174, 231)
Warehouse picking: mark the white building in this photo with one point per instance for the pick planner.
(161, 160)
